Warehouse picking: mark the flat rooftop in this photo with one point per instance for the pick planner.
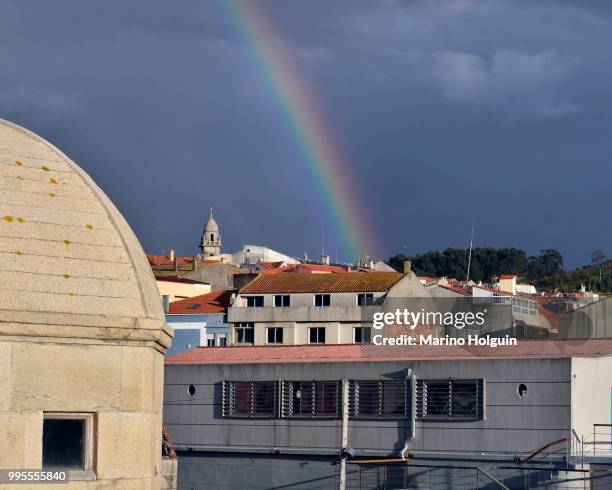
(525, 349)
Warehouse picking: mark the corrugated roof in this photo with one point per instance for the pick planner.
(215, 302)
(526, 349)
(341, 282)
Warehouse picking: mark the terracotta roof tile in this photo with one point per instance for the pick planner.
(526, 349)
(182, 280)
(215, 302)
(322, 283)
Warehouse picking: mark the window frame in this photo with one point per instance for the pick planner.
(87, 472)
(317, 388)
(285, 300)
(274, 329)
(362, 328)
(381, 387)
(421, 400)
(318, 329)
(228, 399)
(365, 299)
(244, 327)
(323, 297)
(255, 299)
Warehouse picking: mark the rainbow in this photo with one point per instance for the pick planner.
(312, 137)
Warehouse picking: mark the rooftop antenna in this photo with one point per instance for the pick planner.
(470, 254)
(322, 242)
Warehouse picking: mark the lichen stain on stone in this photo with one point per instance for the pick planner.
(46, 169)
(18, 163)
(66, 276)
(52, 181)
(52, 194)
(21, 220)
(67, 242)
(90, 227)
(17, 252)
(8, 218)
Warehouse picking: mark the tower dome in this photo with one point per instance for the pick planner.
(82, 328)
(210, 243)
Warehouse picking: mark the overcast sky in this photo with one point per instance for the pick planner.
(444, 111)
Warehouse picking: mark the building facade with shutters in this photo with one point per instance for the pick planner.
(275, 416)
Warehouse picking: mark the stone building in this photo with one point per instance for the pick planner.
(82, 329)
(210, 244)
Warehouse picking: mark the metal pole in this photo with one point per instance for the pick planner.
(344, 443)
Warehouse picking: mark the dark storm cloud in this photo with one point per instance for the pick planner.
(444, 109)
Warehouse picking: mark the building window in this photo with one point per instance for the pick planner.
(222, 340)
(210, 339)
(379, 399)
(364, 299)
(282, 300)
(450, 399)
(275, 335)
(249, 398)
(244, 333)
(311, 398)
(67, 441)
(322, 300)
(362, 335)
(316, 335)
(255, 301)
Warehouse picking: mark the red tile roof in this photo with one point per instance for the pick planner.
(163, 260)
(215, 302)
(526, 349)
(507, 276)
(182, 280)
(322, 283)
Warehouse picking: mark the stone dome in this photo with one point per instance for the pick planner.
(71, 265)
(211, 226)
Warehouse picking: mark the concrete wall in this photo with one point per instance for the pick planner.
(512, 424)
(179, 290)
(592, 396)
(121, 385)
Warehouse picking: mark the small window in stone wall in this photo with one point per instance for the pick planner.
(388, 399)
(311, 399)
(67, 441)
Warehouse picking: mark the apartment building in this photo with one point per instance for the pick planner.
(305, 308)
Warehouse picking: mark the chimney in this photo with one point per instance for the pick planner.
(325, 259)
(194, 264)
(407, 266)
(171, 256)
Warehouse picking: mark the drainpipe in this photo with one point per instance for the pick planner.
(344, 443)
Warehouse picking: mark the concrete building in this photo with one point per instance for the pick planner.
(302, 308)
(174, 288)
(200, 321)
(252, 254)
(462, 416)
(82, 329)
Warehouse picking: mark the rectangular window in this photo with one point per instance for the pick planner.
(249, 398)
(316, 335)
(311, 398)
(450, 399)
(282, 300)
(67, 441)
(244, 333)
(364, 299)
(379, 398)
(255, 301)
(210, 339)
(222, 340)
(362, 335)
(275, 335)
(322, 300)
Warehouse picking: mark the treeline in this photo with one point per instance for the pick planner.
(545, 271)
